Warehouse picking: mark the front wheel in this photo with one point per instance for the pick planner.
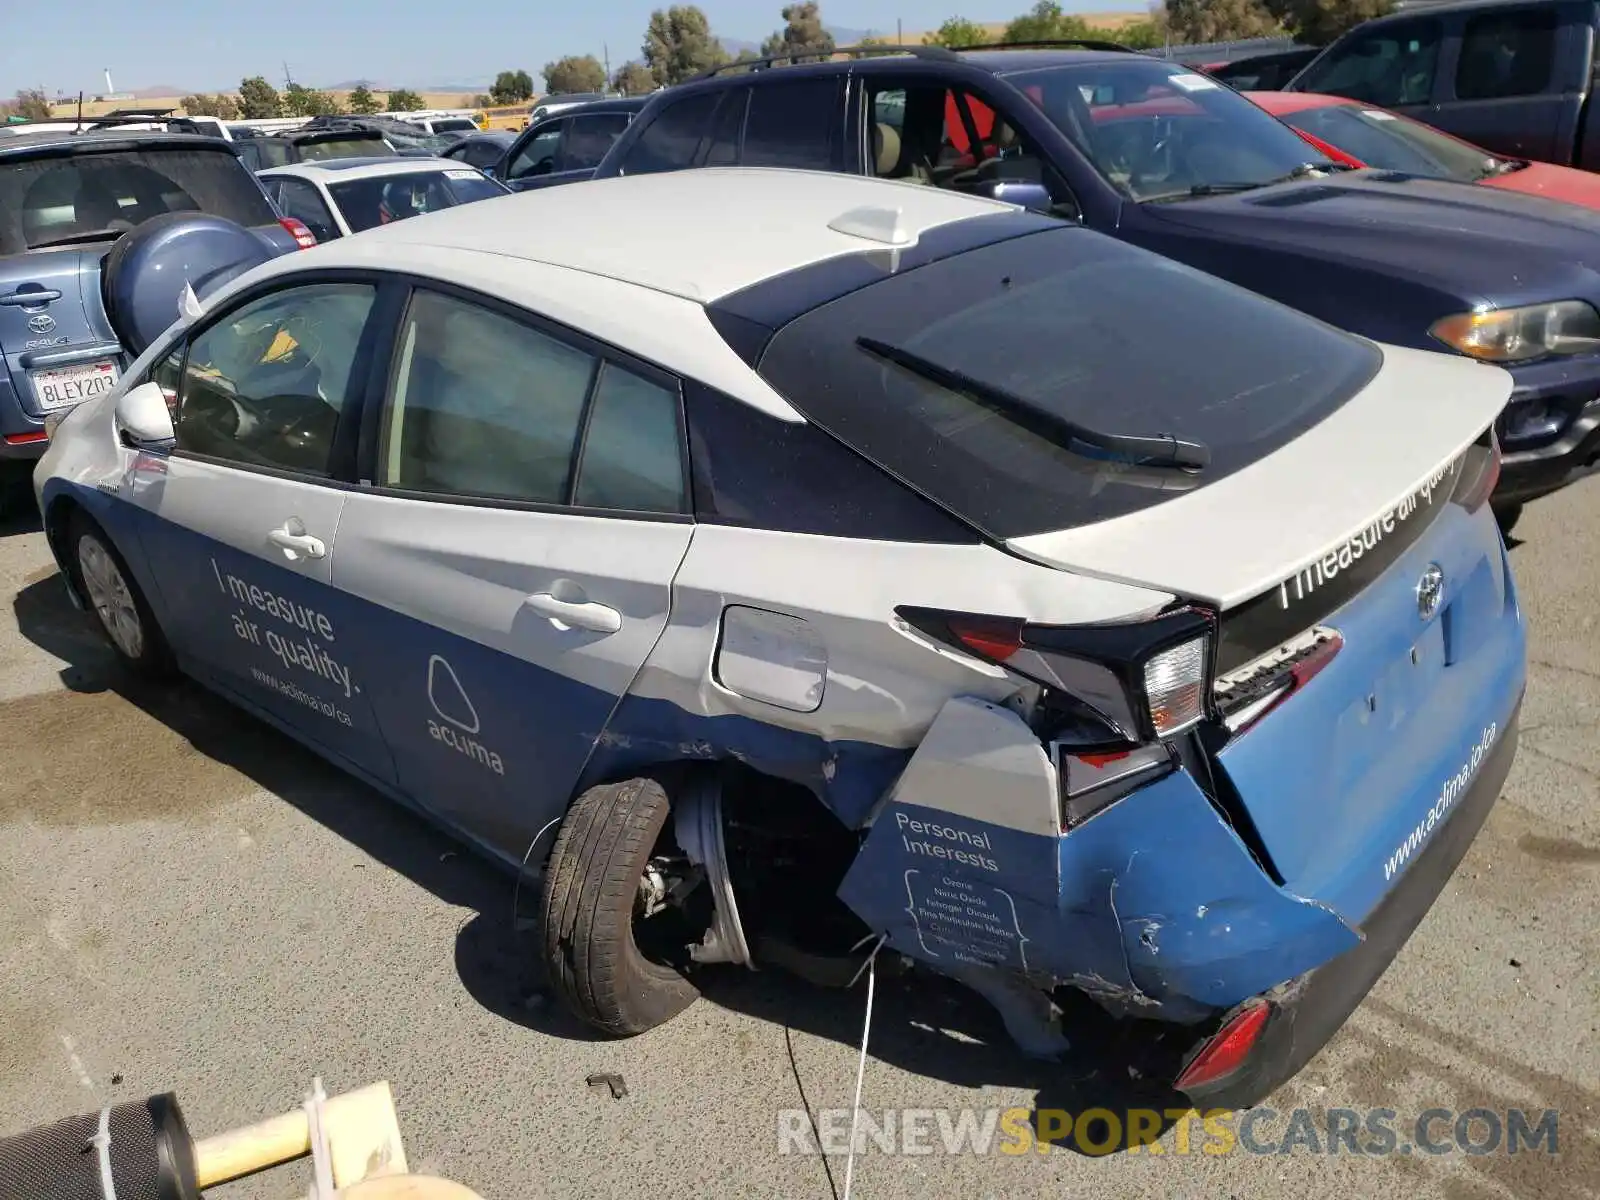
(119, 606)
(592, 906)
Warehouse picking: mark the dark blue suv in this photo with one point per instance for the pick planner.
(65, 200)
(1155, 154)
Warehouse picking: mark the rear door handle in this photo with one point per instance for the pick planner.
(29, 299)
(597, 618)
(296, 543)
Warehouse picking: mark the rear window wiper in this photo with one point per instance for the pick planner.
(1162, 450)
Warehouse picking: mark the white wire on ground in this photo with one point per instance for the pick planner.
(101, 1141)
(870, 968)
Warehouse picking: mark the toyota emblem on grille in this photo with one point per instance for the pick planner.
(43, 323)
(1430, 591)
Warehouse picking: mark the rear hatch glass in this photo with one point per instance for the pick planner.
(366, 203)
(1079, 327)
(357, 146)
(58, 200)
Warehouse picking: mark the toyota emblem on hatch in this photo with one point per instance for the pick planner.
(1430, 591)
(43, 323)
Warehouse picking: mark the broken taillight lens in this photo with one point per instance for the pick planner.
(1145, 679)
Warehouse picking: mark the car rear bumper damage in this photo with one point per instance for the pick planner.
(1309, 1009)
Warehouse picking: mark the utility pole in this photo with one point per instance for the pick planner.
(287, 82)
(899, 32)
(605, 52)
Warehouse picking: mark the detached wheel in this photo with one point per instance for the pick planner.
(595, 887)
(119, 606)
(1508, 515)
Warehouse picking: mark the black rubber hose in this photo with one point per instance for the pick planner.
(151, 1156)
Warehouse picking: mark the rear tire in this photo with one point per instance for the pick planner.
(590, 887)
(119, 606)
(1508, 515)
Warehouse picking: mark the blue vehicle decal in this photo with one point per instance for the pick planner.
(1154, 906)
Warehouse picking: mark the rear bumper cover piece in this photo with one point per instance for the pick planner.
(1309, 1009)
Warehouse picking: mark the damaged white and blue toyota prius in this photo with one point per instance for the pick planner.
(781, 563)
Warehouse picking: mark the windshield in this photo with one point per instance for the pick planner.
(1083, 329)
(1158, 132)
(366, 203)
(348, 147)
(1391, 142)
(61, 200)
(454, 125)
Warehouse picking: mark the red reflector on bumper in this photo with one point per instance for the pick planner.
(22, 439)
(1227, 1049)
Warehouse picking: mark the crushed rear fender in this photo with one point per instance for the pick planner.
(1154, 906)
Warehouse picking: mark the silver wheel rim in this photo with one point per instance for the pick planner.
(111, 597)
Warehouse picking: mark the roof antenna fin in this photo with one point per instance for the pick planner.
(886, 226)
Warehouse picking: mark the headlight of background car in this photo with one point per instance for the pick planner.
(1518, 334)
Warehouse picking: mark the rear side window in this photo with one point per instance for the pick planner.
(1076, 328)
(98, 197)
(671, 139)
(1507, 54)
(352, 147)
(794, 125)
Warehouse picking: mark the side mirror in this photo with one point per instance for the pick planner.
(1034, 197)
(144, 418)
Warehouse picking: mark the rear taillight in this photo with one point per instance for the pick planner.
(1228, 1048)
(303, 237)
(1246, 695)
(1145, 679)
(1479, 474)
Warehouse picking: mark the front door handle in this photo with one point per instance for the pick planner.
(296, 543)
(598, 618)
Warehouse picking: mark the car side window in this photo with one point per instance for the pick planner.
(1390, 67)
(267, 384)
(727, 129)
(538, 153)
(588, 139)
(167, 374)
(794, 125)
(632, 457)
(671, 140)
(486, 407)
(300, 200)
(1507, 54)
(950, 138)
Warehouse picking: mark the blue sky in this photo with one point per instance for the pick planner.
(211, 44)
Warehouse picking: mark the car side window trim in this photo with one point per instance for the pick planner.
(341, 459)
(378, 400)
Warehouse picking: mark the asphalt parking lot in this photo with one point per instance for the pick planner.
(189, 901)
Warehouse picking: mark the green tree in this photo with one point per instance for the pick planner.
(679, 45)
(483, 100)
(1318, 22)
(1220, 20)
(1047, 23)
(34, 104)
(512, 87)
(405, 100)
(1142, 35)
(301, 101)
(958, 32)
(802, 33)
(361, 100)
(200, 104)
(258, 99)
(574, 74)
(634, 79)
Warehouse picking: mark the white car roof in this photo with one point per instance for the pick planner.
(633, 261)
(339, 170)
(695, 234)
